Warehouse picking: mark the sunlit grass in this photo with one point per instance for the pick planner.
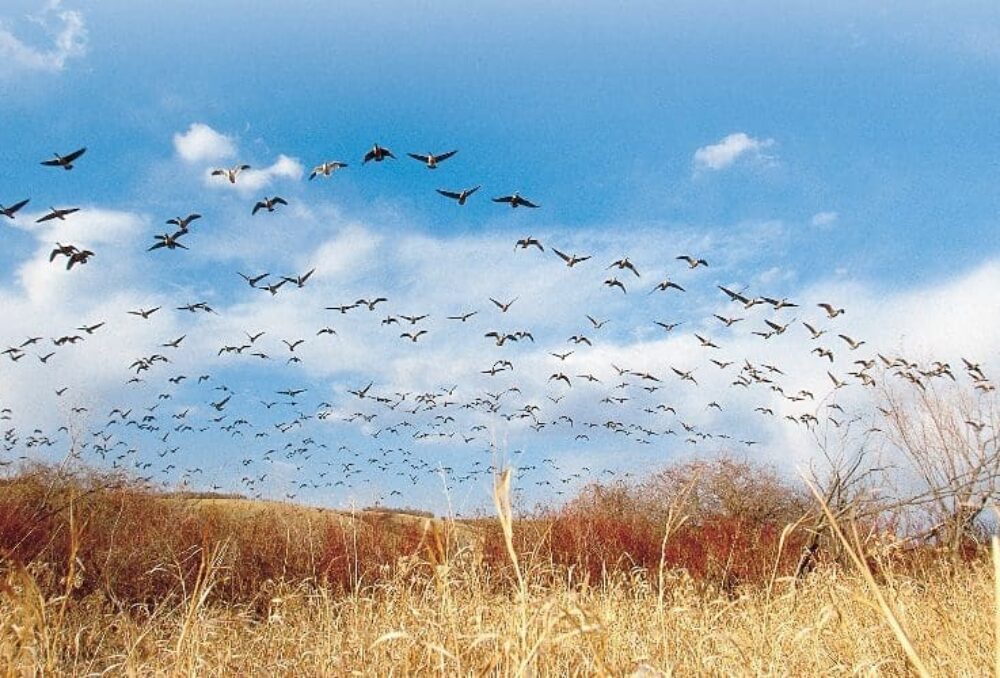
(439, 604)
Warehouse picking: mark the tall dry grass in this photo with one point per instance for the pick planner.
(442, 606)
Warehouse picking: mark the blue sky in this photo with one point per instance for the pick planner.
(871, 166)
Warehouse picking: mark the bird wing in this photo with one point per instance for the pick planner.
(16, 206)
(526, 203)
(560, 254)
(449, 194)
(67, 159)
(422, 158)
(504, 198)
(444, 156)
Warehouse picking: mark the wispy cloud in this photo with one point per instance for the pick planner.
(824, 219)
(66, 30)
(731, 148)
(200, 143)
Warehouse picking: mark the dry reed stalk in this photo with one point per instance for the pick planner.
(855, 552)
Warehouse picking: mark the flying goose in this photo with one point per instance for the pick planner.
(460, 196)
(326, 169)
(230, 173)
(515, 200)
(728, 322)
(299, 280)
(623, 264)
(571, 261)
(430, 160)
(779, 304)
(65, 161)
(691, 261)
(615, 282)
(378, 154)
(706, 343)
(851, 342)
(9, 212)
(463, 317)
(370, 304)
(831, 312)
(504, 307)
(525, 243)
(144, 313)
(268, 204)
(60, 214)
(183, 222)
(168, 240)
(816, 334)
(666, 285)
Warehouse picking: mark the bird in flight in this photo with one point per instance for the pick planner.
(431, 161)
(615, 282)
(73, 254)
(413, 336)
(571, 261)
(370, 304)
(60, 214)
(525, 243)
(182, 223)
(623, 264)
(460, 196)
(143, 313)
(268, 204)
(274, 287)
(300, 280)
(10, 211)
(230, 173)
(831, 312)
(728, 322)
(851, 342)
(503, 307)
(515, 200)
(362, 392)
(65, 161)
(463, 317)
(168, 240)
(326, 169)
(691, 261)
(254, 279)
(378, 154)
(666, 285)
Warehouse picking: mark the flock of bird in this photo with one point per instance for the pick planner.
(304, 436)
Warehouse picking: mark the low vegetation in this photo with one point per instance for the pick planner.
(693, 570)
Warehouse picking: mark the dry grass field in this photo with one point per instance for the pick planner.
(101, 579)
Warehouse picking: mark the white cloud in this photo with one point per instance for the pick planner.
(822, 219)
(201, 143)
(724, 153)
(67, 31)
